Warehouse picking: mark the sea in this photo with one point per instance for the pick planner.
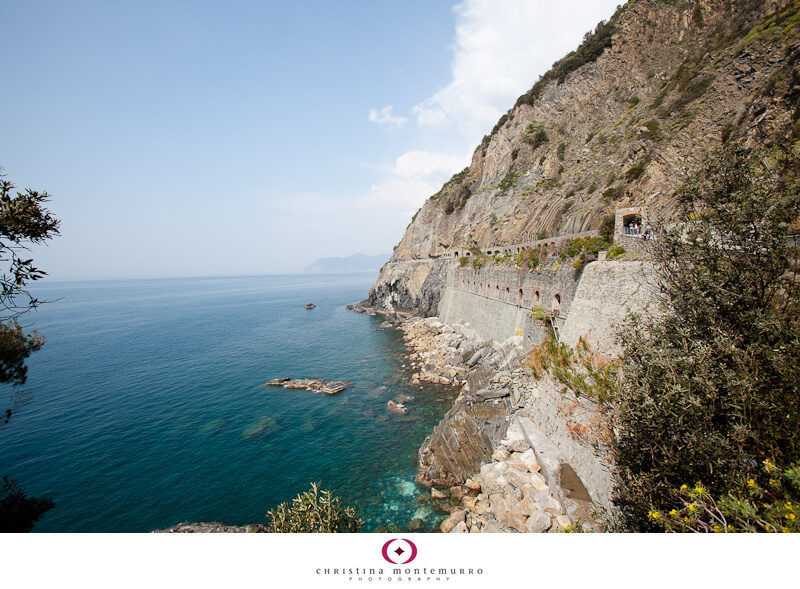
(148, 405)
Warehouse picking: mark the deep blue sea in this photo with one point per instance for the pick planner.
(149, 407)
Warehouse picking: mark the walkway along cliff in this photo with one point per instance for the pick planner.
(597, 147)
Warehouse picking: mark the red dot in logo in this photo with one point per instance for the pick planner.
(399, 551)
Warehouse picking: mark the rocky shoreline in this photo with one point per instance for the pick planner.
(489, 462)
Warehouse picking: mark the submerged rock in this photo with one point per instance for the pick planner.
(260, 428)
(416, 525)
(311, 306)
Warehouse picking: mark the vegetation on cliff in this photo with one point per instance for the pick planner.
(712, 388)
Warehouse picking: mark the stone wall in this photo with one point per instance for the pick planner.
(497, 301)
(607, 293)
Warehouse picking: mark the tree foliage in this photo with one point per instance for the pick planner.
(712, 388)
(313, 511)
(24, 221)
(18, 512)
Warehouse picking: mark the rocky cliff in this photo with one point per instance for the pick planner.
(619, 122)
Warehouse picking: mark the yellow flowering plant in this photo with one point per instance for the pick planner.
(772, 507)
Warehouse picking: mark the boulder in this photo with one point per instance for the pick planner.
(515, 439)
(547, 503)
(500, 454)
(459, 528)
(486, 394)
(437, 494)
(278, 382)
(331, 388)
(493, 477)
(473, 484)
(524, 461)
(458, 516)
(537, 523)
(518, 479)
(457, 492)
(469, 502)
(385, 324)
(560, 523)
(396, 407)
(311, 384)
(477, 356)
(492, 527)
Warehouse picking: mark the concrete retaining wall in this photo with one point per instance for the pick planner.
(608, 292)
(497, 301)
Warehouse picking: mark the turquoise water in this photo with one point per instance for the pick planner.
(149, 407)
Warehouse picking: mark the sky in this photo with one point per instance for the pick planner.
(242, 138)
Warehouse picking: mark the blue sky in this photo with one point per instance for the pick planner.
(199, 139)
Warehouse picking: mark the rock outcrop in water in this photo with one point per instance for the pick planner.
(310, 384)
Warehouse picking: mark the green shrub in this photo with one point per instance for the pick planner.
(509, 180)
(528, 257)
(712, 386)
(536, 136)
(313, 511)
(615, 252)
(561, 151)
(583, 250)
(637, 169)
(578, 369)
(463, 261)
(611, 194)
(653, 132)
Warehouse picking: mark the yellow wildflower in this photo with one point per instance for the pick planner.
(751, 483)
(673, 513)
(699, 489)
(692, 507)
(790, 516)
(684, 487)
(717, 529)
(788, 505)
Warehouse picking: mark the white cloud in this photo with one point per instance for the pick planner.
(385, 117)
(500, 48)
(426, 164)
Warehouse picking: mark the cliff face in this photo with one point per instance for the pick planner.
(620, 122)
